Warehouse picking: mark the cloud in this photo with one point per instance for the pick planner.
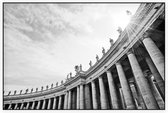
(43, 42)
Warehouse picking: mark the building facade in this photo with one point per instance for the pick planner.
(130, 75)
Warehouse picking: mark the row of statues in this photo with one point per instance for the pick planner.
(31, 91)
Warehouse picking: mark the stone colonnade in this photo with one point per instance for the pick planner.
(141, 93)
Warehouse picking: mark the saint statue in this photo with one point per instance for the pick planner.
(31, 90)
(46, 87)
(119, 30)
(97, 58)
(36, 89)
(103, 50)
(20, 92)
(51, 85)
(111, 41)
(56, 84)
(41, 88)
(9, 93)
(15, 92)
(26, 91)
(90, 63)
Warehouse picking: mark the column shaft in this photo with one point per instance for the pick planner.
(21, 107)
(33, 105)
(156, 74)
(94, 95)
(60, 100)
(27, 106)
(87, 97)
(81, 97)
(69, 99)
(125, 87)
(10, 106)
(156, 55)
(49, 103)
(142, 83)
(103, 98)
(66, 101)
(113, 93)
(38, 105)
(16, 106)
(54, 103)
(78, 98)
(44, 104)
(122, 98)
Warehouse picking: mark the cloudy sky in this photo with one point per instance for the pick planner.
(43, 42)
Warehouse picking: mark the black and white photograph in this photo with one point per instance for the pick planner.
(83, 56)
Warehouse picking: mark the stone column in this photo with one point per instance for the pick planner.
(27, 106)
(38, 105)
(59, 103)
(156, 74)
(155, 54)
(81, 97)
(125, 87)
(103, 98)
(21, 107)
(66, 101)
(87, 97)
(155, 92)
(16, 105)
(113, 92)
(33, 105)
(54, 103)
(122, 98)
(135, 95)
(94, 95)
(10, 105)
(142, 82)
(49, 103)
(69, 99)
(44, 103)
(78, 98)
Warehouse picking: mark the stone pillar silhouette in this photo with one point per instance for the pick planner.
(16, 105)
(54, 103)
(155, 54)
(78, 98)
(142, 82)
(81, 97)
(66, 101)
(33, 105)
(38, 105)
(113, 93)
(59, 103)
(49, 103)
(125, 87)
(27, 106)
(103, 98)
(44, 104)
(21, 107)
(69, 99)
(156, 74)
(87, 97)
(10, 105)
(94, 95)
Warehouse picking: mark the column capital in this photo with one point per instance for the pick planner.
(130, 51)
(118, 62)
(145, 35)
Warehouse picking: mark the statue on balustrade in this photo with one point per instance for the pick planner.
(51, 86)
(9, 93)
(111, 42)
(36, 89)
(70, 74)
(90, 63)
(97, 58)
(119, 30)
(15, 92)
(80, 67)
(20, 92)
(77, 68)
(47, 87)
(62, 82)
(56, 84)
(31, 90)
(41, 88)
(103, 50)
(26, 91)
